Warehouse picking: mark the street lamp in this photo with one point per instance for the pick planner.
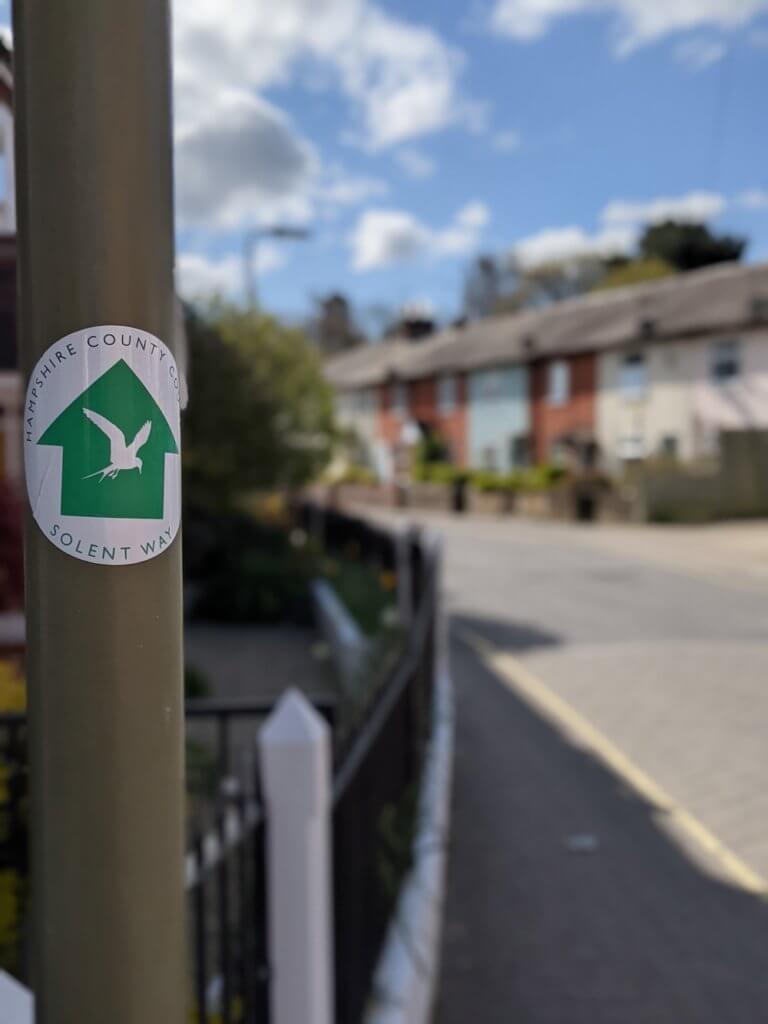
(250, 249)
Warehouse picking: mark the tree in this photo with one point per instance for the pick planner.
(333, 327)
(482, 287)
(557, 280)
(545, 283)
(688, 246)
(627, 272)
(260, 412)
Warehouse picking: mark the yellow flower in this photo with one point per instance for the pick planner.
(387, 580)
(13, 690)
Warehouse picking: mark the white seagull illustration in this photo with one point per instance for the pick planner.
(121, 454)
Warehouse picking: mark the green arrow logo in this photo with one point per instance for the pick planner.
(115, 439)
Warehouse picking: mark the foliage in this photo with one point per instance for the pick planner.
(689, 246)
(12, 902)
(196, 683)
(241, 570)
(13, 689)
(557, 280)
(536, 478)
(11, 550)
(366, 594)
(260, 414)
(504, 285)
(542, 478)
(357, 475)
(488, 482)
(397, 831)
(623, 273)
(439, 473)
(430, 449)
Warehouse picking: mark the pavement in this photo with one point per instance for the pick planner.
(258, 662)
(609, 852)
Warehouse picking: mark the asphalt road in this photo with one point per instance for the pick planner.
(573, 895)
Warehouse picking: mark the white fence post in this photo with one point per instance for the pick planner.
(17, 1005)
(294, 746)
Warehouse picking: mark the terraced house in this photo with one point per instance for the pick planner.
(658, 369)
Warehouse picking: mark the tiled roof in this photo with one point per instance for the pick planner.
(705, 301)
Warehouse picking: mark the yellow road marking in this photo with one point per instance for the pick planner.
(526, 685)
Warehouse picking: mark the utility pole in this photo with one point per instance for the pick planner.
(251, 249)
(104, 661)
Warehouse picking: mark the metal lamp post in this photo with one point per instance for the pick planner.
(104, 664)
(250, 251)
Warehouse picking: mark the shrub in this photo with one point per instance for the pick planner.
(488, 482)
(242, 570)
(196, 683)
(542, 478)
(357, 475)
(438, 473)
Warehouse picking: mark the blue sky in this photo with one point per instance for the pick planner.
(411, 137)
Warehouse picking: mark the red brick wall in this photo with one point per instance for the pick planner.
(549, 423)
(389, 424)
(451, 426)
(422, 406)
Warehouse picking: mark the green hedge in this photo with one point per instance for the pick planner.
(537, 478)
(439, 473)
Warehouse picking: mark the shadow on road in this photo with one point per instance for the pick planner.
(569, 902)
(505, 634)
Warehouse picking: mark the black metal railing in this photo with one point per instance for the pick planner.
(226, 884)
(337, 532)
(225, 879)
(226, 890)
(375, 801)
(377, 770)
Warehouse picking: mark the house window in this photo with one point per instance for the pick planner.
(400, 399)
(519, 450)
(490, 384)
(668, 446)
(446, 393)
(489, 459)
(726, 361)
(632, 447)
(633, 375)
(559, 382)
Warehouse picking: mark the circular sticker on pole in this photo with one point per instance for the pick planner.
(102, 445)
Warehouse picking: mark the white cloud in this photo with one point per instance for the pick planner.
(385, 237)
(635, 22)
(754, 199)
(401, 77)
(415, 163)
(199, 276)
(506, 142)
(473, 215)
(695, 207)
(341, 189)
(699, 53)
(568, 243)
(242, 160)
